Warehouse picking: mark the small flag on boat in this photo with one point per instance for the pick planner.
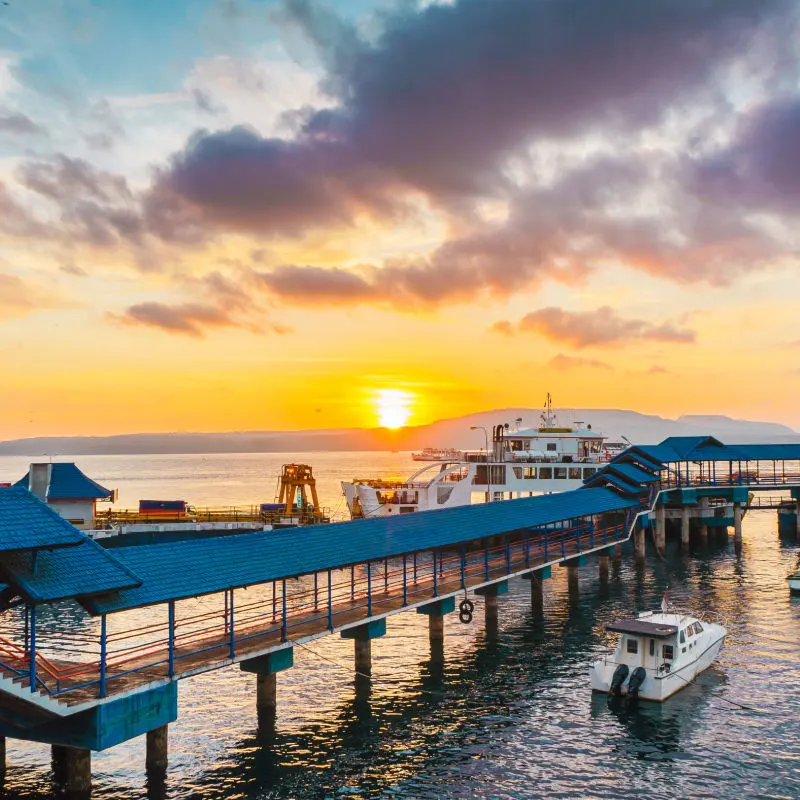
(664, 602)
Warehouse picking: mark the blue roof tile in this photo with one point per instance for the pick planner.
(26, 522)
(74, 572)
(67, 482)
(188, 568)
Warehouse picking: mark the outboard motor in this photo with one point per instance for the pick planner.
(637, 679)
(620, 673)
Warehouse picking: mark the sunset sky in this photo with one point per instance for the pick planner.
(265, 215)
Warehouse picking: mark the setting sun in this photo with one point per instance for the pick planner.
(392, 406)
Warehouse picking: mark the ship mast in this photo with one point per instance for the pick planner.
(547, 417)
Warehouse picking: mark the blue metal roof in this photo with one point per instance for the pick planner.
(26, 522)
(175, 570)
(634, 473)
(73, 572)
(67, 482)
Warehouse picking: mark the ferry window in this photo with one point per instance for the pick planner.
(406, 509)
(588, 472)
(698, 628)
(668, 652)
(551, 446)
(633, 646)
(561, 473)
(652, 647)
(517, 472)
(530, 473)
(574, 473)
(546, 473)
(683, 637)
(690, 631)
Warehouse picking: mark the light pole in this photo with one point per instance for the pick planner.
(488, 465)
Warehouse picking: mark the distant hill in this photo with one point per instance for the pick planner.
(638, 428)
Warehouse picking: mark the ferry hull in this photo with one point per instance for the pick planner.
(656, 687)
(794, 584)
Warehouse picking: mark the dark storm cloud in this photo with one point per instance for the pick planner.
(599, 328)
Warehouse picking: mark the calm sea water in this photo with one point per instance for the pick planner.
(505, 717)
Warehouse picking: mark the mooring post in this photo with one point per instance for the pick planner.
(435, 613)
(72, 767)
(156, 757)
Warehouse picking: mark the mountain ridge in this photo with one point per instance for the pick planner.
(455, 432)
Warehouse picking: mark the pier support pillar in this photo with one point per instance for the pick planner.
(490, 594)
(685, 527)
(705, 508)
(797, 519)
(266, 669)
(638, 543)
(362, 637)
(603, 567)
(435, 612)
(660, 529)
(537, 578)
(737, 527)
(2, 757)
(157, 749)
(72, 767)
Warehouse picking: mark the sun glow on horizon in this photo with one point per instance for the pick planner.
(393, 407)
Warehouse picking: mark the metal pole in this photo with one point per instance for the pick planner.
(405, 580)
(435, 588)
(508, 554)
(486, 559)
(283, 611)
(369, 589)
(386, 575)
(330, 601)
(316, 596)
(463, 566)
(33, 650)
(171, 608)
(232, 644)
(103, 645)
(353, 582)
(415, 567)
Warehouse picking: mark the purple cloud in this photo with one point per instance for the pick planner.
(600, 328)
(17, 124)
(563, 363)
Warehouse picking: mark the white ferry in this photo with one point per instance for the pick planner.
(522, 462)
(657, 655)
(794, 582)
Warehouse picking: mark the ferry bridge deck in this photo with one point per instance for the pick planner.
(115, 678)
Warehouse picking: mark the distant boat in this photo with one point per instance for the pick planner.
(520, 462)
(794, 582)
(657, 655)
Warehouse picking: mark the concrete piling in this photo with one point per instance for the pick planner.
(72, 767)
(603, 567)
(362, 637)
(157, 750)
(267, 694)
(704, 511)
(685, 527)
(737, 527)
(660, 529)
(639, 543)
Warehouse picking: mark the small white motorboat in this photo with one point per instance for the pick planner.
(657, 655)
(794, 582)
